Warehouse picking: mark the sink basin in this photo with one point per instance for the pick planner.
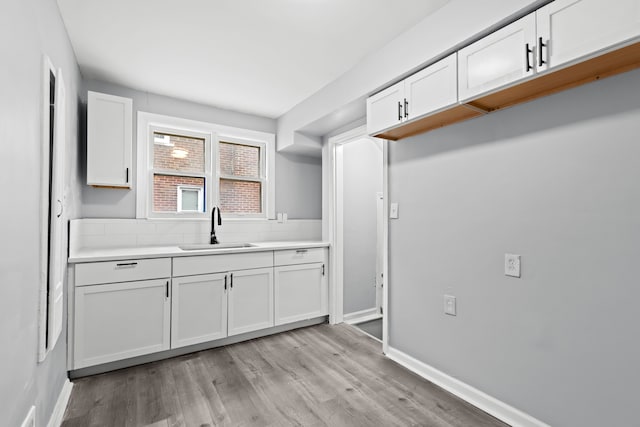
(207, 246)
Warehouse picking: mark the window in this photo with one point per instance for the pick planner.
(241, 178)
(187, 167)
(181, 170)
(190, 199)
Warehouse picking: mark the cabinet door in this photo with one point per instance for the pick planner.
(120, 320)
(385, 109)
(109, 136)
(198, 309)
(572, 29)
(433, 88)
(498, 60)
(301, 292)
(250, 300)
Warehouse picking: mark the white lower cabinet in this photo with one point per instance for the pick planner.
(198, 309)
(229, 294)
(120, 320)
(213, 306)
(301, 292)
(250, 300)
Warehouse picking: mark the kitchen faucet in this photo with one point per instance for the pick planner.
(214, 239)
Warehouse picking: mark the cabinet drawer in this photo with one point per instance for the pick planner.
(299, 256)
(207, 264)
(122, 271)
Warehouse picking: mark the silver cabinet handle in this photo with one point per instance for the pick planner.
(61, 206)
(302, 251)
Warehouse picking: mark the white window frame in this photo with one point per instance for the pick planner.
(148, 123)
(182, 188)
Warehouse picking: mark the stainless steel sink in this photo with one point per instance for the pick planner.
(207, 246)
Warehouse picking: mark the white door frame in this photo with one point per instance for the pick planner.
(332, 226)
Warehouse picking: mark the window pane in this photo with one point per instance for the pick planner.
(178, 153)
(239, 160)
(165, 191)
(189, 199)
(240, 196)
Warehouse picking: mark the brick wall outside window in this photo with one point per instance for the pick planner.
(240, 196)
(239, 160)
(237, 196)
(165, 191)
(163, 157)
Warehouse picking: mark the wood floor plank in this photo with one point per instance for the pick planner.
(317, 376)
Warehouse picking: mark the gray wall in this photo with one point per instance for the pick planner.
(299, 186)
(298, 179)
(362, 180)
(29, 28)
(556, 181)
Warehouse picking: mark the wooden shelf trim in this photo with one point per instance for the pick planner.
(457, 113)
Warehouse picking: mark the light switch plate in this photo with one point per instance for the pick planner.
(393, 211)
(450, 305)
(512, 265)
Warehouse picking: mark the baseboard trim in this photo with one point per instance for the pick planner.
(61, 405)
(361, 316)
(477, 398)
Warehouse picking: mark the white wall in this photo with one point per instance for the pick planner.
(556, 181)
(362, 166)
(28, 29)
(298, 178)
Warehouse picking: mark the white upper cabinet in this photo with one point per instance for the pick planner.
(109, 140)
(431, 89)
(502, 58)
(385, 109)
(572, 29)
(425, 92)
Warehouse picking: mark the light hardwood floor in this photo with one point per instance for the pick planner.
(317, 376)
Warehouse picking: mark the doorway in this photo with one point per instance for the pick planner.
(358, 166)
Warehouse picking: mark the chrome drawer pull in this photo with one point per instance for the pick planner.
(302, 251)
(126, 265)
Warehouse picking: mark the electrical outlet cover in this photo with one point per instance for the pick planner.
(393, 211)
(512, 265)
(450, 305)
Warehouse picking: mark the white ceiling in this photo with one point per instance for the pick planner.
(255, 56)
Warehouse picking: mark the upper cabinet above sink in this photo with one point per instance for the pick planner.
(561, 45)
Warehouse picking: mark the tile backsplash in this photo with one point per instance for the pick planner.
(110, 233)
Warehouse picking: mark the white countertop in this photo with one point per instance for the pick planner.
(117, 254)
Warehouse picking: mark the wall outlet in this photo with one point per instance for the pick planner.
(512, 265)
(30, 419)
(450, 305)
(393, 211)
